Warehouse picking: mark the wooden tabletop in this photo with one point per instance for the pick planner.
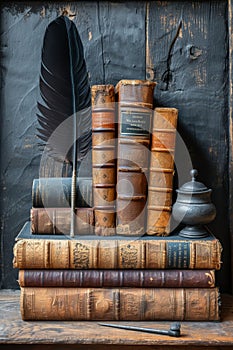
(89, 335)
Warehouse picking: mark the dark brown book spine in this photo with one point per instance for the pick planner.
(103, 158)
(57, 221)
(118, 278)
(135, 103)
(56, 192)
(161, 171)
(128, 304)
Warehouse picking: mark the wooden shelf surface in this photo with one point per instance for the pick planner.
(89, 335)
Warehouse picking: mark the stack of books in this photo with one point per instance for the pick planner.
(123, 263)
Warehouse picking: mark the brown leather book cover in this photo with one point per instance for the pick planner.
(56, 221)
(161, 171)
(90, 252)
(104, 158)
(135, 103)
(126, 304)
(118, 278)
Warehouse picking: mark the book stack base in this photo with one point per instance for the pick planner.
(145, 279)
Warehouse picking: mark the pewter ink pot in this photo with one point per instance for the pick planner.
(194, 208)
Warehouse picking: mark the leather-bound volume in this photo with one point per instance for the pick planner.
(126, 304)
(92, 252)
(55, 192)
(161, 171)
(118, 278)
(104, 158)
(55, 221)
(135, 103)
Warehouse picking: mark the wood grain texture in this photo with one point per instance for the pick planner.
(89, 335)
(187, 55)
(230, 121)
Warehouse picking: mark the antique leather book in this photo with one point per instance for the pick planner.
(52, 192)
(135, 103)
(161, 171)
(128, 304)
(104, 158)
(55, 221)
(117, 278)
(92, 252)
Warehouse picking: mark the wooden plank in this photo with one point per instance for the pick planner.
(90, 335)
(187, 54)
(230, 28)
(122, 28)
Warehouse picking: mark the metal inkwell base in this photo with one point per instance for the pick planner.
(194, 208)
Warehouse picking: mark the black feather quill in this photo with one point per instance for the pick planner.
(65, 115)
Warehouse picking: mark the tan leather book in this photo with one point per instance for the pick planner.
(126, 304)
(135, 103)
(104, 158)
(55, 221)
(161, 171)
(117, 278)
(91, 252)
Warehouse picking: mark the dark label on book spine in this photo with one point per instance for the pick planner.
(135, 123)
(178, 255)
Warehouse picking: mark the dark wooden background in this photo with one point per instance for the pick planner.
(185, 46)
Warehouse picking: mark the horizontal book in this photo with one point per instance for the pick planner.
(92, 252)
(118, 278)
(57, 221)
(52, 192)
(128, 304)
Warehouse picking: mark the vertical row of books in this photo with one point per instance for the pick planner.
(124, 263)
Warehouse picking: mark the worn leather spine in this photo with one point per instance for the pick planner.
(55, 221)
(52, 192)
(161, 171)
(125, 253)
(126, 304)
(104, 158)
(117, 278)
(135, 103)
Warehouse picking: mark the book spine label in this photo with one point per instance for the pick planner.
(161, 171)
(128, 304)
(57, 221)
(103, 159)
(135, 122)
(56, 192)
(118, 278)
(112, 254)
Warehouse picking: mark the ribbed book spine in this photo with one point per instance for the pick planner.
(156, 253)
(104, 159)
(118, 278)
(126, 304)
(161, 171)
(56, 221)
(135, 103)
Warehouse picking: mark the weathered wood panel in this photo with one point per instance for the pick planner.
(90, 335)
(230, 115)
(187, 54)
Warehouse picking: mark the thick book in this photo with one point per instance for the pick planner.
(126, 304)
(135, 103)
(161, 171)
(52, 192)
(118, 278)
(104, 158)
(55, 221)
(92, 252)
